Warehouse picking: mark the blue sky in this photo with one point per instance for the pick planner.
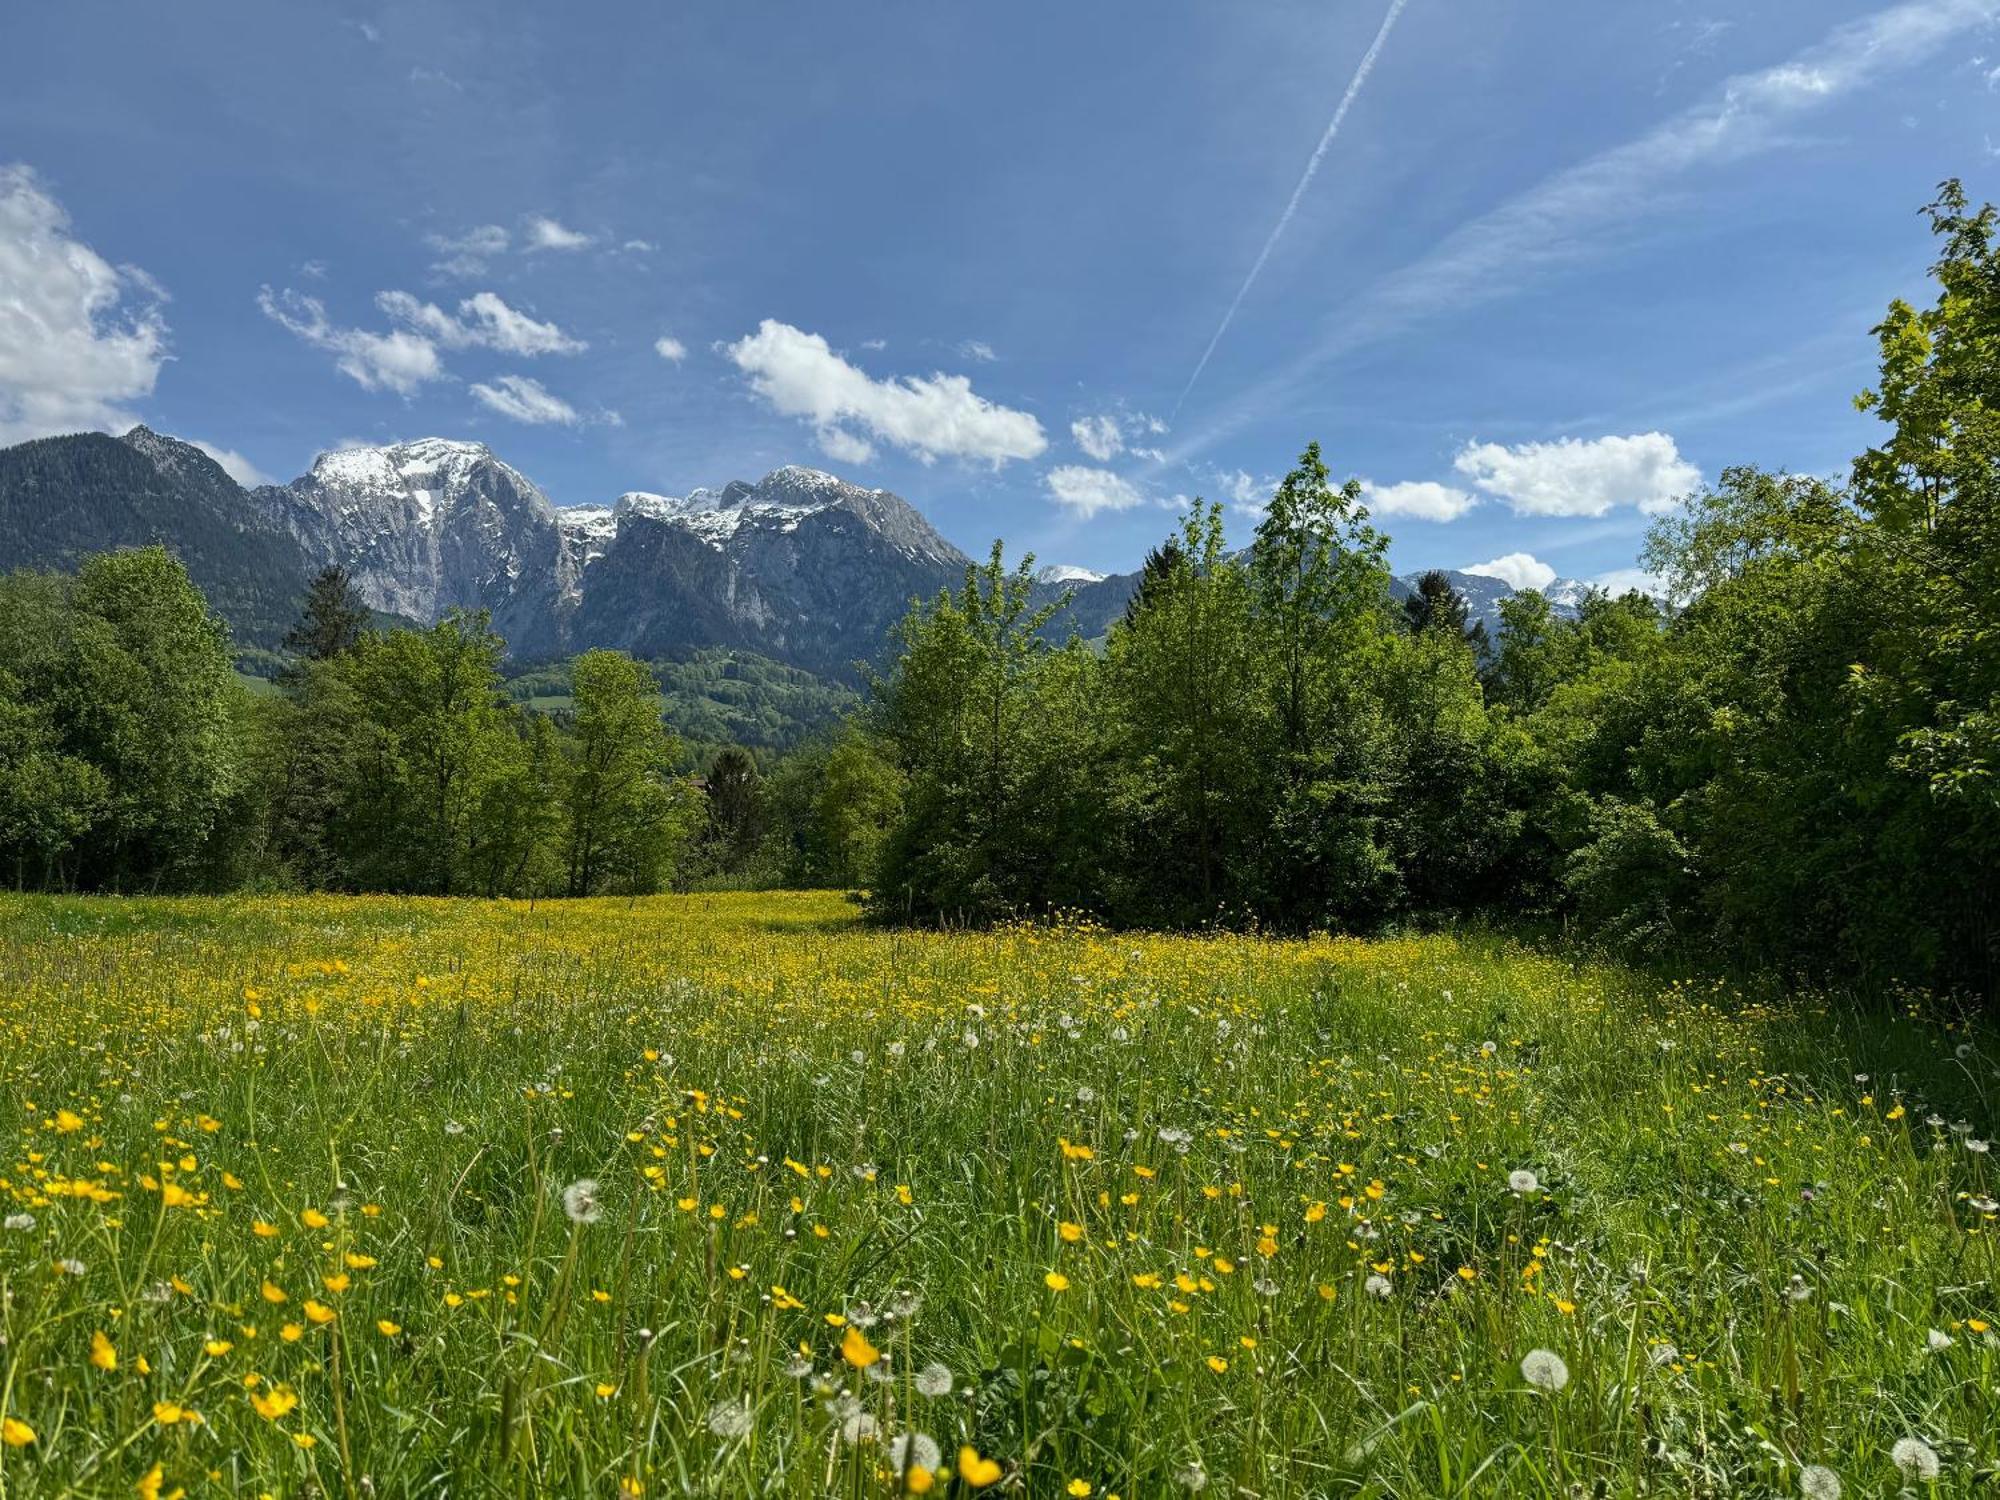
(1557, 262)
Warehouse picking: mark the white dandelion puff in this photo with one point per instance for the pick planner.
(1818, 1482)
(18, 1221)
(729, 1419)
(1378, 1286)
(914, 1449)
(1937, 1341)
(1544, 1370)
(581, 1203)
(1916, 1458)
(1521, 1180)
(933, 1380)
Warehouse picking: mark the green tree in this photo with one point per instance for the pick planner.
(627, 811)
(332, 619)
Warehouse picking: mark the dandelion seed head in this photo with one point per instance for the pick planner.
(1916, 1458)
(1521, 1180)
(581, 1203)
(1818, 1482)
(933, 1380)
(1544, 1370)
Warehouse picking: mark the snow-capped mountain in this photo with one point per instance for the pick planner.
(1061, 573)
(433, 525)
(801, 565)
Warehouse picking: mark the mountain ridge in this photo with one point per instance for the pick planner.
(800, 566)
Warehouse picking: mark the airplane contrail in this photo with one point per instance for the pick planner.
(1347, 99)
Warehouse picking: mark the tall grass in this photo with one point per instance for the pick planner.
(285, 1188)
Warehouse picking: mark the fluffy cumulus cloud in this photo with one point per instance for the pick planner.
(78, 337)
(1419, 499)
(931, 416)
(1518, 570)
(400, 360)
(544, 233)
(669, 348)
(526, 400)
(1086, 492)
(1101, 437)
(483, 321)
(1582, 477)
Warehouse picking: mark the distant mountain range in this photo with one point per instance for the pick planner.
(800, 567)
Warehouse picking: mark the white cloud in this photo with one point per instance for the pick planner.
(932, 416)
(842, 446)
(467, 254)
(1101, 437)
(546, 234)
(1518, 570)
(669, 348)
(78, 338)
(1578, 477)
(977, 349)
(1420, 499)
(1247, 493)
(1621, 581)
(484, 321)
(525, 400)
(235, 465)
(399, 360)
(1088, 491)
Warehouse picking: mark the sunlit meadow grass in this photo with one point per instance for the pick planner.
(299, 1199)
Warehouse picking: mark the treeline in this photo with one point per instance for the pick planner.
(132, 759)
(1796, 769)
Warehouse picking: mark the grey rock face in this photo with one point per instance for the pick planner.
(430, 526)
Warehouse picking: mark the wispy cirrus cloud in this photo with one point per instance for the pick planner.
(400, 360)
(1577, 213)
(483, 321)
(526, 400)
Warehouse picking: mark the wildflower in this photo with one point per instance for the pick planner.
(70, 1266)
(857, 1351)
(1377, 1286)
(1915, 1458)
(148, 1487)
(279, 1401)
(933, 1380)
(580, 1201)
(1218, 1364)
(1192, 1477)
(103, 1353)
(1937, 1341)
(18, 1221)
(1818, 1482)
(729, 1419)
(1055, 1281)
(1796, 1290)
(15, 1433)
(319, 1312)
(1077, 1487)
(914, 1450)
(1522, 1181)
(1544, 1370)
(387, 1329)
(977, 1472)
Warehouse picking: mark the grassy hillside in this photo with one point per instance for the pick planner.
(723, 1195)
